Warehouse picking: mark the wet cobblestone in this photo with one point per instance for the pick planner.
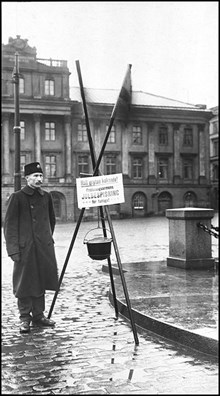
(88, 351)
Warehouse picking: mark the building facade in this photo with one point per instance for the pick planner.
(45, 119)
(162, 149)
(214, 159)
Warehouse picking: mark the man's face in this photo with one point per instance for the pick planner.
(34, 180)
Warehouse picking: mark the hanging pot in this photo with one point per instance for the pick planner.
(99, 246)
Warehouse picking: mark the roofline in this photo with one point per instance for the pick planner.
(194, 106)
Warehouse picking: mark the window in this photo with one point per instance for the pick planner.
(21, 85)
(139, 201)
(22, 126)
(110, 164)
(215, 127)
(163, 136)
(187, 169)
(215, 147)
(82, 133)
(215, 172)
(188, 137)
(137, 168)
(137, 135)
(50, 166)
(112, 136)
(163, 168)
(83, 164)
(49, 87)
(50, 131)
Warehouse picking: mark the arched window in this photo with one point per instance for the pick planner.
(139, 204)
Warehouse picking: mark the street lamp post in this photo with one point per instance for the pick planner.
(17, 129)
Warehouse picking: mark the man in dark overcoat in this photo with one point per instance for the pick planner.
(28, 229)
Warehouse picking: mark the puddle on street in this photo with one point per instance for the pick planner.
(186, 298)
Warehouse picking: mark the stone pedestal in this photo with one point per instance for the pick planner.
(190, 247)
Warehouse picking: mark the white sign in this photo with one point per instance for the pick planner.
(100, 190)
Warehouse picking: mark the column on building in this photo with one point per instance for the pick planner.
(6, 148)
(202, 153)
(98, 132)
(37, 153)
(176, 154)
(124, 149)
(207, 151)
(68, 165)
(151, 156)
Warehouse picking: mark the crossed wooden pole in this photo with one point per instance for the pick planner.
(95, 164)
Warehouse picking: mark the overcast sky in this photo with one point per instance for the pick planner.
(172, 46)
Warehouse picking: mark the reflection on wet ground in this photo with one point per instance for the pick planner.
(186, 298)
(64, 373)
(88, 351)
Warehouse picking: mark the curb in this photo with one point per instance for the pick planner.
(184, 337)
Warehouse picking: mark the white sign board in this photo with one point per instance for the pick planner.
(100, 190)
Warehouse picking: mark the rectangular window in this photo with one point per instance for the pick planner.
(163, 168)
(188, 137)
(49, 87)
(50, 131)
(22, 126)
(82, 133)
(50, 166)
(137, 135)
(112, 136)
(187, 169)
(215, 127)
(83, 164)
(215, 172)
(215, 147)
(21, 85)
(110, 164)
(137, 168)
(163, 136)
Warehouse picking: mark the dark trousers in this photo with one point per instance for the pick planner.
(31, 308)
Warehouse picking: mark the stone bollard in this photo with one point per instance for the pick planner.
(190, 247)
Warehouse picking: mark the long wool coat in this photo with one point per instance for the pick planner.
(28, 229)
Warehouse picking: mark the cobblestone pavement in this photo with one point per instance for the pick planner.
(88, 351)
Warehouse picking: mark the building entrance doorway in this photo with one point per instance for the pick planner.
(164, 202)
(190, 199)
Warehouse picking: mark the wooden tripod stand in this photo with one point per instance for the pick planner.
(95, 164)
